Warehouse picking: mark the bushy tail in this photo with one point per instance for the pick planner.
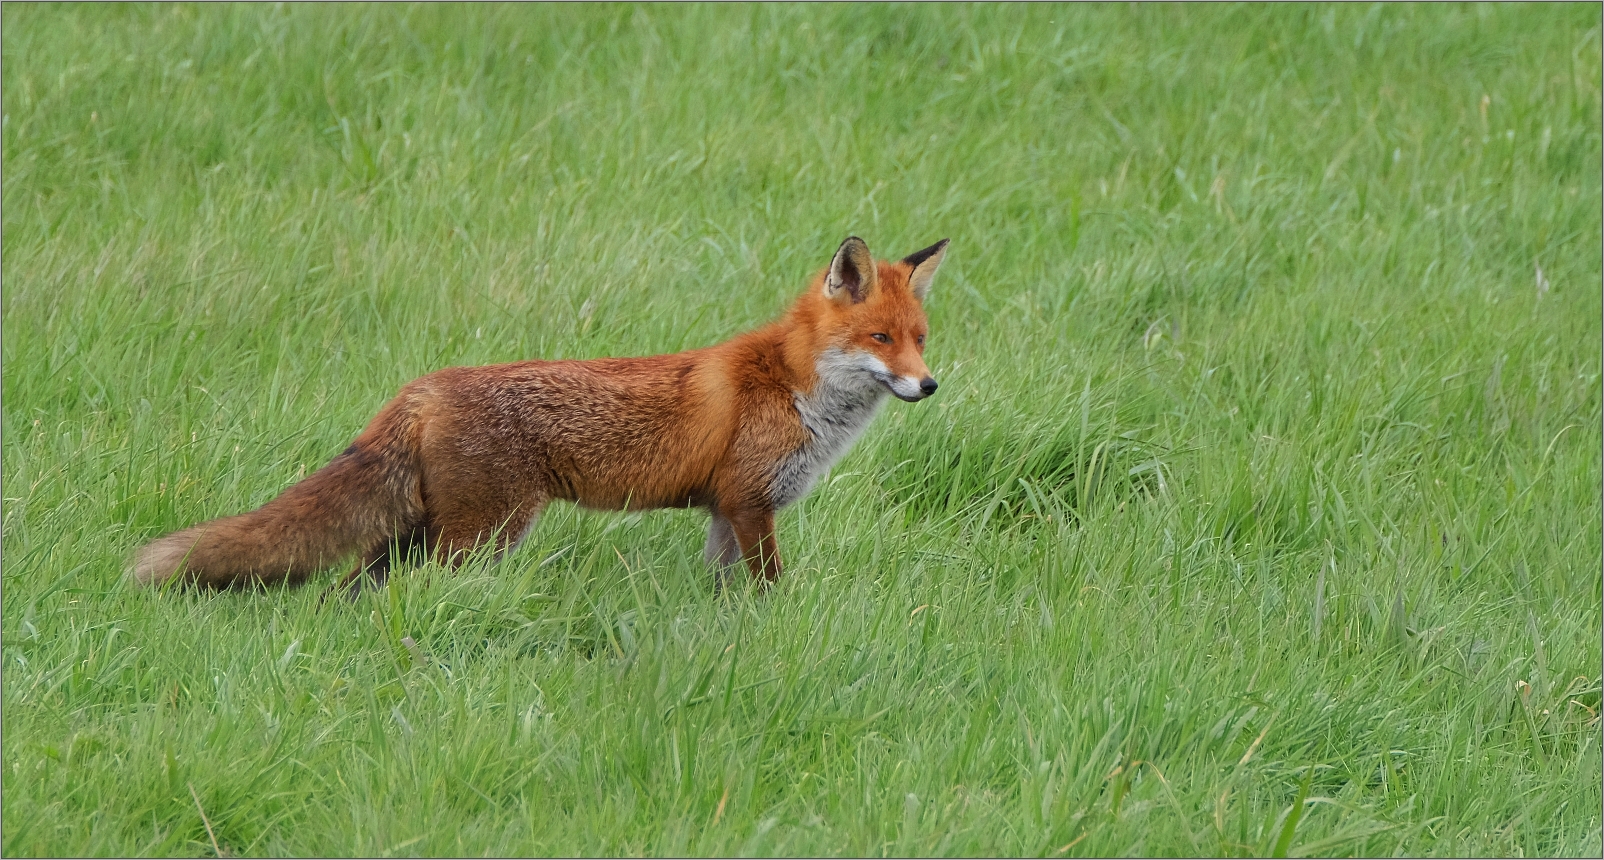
(364, 496)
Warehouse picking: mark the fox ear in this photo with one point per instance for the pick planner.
(924, 265)
(851, 275)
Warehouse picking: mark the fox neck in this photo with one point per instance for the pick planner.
(842, 402)
(836, 389)
(844, 399)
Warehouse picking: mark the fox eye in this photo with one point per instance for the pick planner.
(881, 338)
(921, 340)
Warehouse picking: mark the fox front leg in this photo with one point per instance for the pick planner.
(722, 549)
(754, 532)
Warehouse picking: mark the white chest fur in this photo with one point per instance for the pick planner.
(841, 404)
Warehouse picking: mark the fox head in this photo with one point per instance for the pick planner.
(873, 320)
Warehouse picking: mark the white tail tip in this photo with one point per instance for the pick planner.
(161, 559)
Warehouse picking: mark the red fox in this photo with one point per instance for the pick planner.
(467, 455)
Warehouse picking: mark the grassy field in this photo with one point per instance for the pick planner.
(1258, 512)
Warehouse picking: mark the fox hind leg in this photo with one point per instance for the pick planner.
(457, 536)
(411, 546)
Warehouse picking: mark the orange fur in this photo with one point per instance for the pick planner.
(472, 454)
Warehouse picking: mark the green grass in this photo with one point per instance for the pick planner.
(1258, 512)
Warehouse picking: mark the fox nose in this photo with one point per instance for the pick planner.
(928, 386)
